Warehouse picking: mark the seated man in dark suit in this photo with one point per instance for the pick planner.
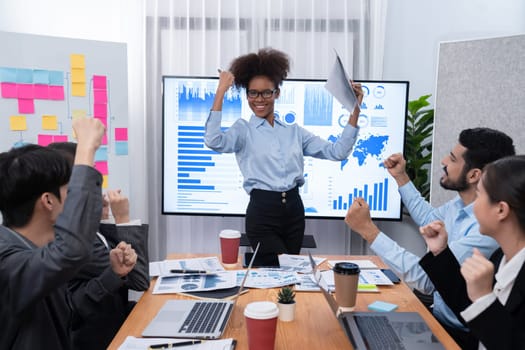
(50, 217)
(99, 292)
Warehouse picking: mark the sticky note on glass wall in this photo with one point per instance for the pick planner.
(49, 122)
(77, 60)
(78, 75)
(78, 89)
(121, 134)
(79, 113)
(18, 123)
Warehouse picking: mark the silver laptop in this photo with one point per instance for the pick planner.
(200, 319)
(380, 330)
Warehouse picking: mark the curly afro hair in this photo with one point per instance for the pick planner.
(267, 62)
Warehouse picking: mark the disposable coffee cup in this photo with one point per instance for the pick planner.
(261, 324)
(230, 240)
(346, 276)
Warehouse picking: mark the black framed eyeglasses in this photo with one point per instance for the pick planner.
(265, 93)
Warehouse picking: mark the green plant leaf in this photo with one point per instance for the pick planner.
(418, 143)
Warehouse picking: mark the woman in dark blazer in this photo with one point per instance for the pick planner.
(488, 295)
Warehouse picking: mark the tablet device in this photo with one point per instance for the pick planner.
(391, 275)
(262, 260)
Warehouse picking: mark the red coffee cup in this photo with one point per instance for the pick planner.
(230, 240)
(261, 324)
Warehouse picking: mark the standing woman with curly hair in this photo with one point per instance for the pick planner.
(269, 152)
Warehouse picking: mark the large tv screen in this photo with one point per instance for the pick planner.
(199, 181)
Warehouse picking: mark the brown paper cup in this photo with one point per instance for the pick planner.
(346, 276)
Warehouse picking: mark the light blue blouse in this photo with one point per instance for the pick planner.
(272, 158)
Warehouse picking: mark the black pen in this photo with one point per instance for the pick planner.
(174, 345)
(196, 272)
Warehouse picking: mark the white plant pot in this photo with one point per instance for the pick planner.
(286, 312)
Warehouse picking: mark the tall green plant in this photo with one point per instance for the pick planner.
(418, 144)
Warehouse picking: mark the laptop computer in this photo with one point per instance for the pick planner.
(379, 330)
(199, 319)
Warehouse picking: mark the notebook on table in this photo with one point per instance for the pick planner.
(380, 330)
(199, 319)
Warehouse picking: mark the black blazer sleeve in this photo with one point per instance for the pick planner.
(137, 236)
(443, 271)
(498, 327)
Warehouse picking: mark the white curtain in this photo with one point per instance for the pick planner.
(195, 37)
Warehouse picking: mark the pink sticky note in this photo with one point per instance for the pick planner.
(103, 120)
(121, 134)
(26, 91)
(99, 82)
(26, 106)
(100, 110)
(56, 92)
(100, 96)
(44, 140)
(9, 90)
(41, 91)
(60, 138)
(102, 167)
(104, 139)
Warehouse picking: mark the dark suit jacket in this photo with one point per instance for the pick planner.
(498, 327)
(99, 297)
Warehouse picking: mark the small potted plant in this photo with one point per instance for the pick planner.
(286, 304)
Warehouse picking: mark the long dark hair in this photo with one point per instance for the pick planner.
(504, 180)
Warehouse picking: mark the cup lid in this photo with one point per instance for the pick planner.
(346, 268)
(227, 233)
(261, 310)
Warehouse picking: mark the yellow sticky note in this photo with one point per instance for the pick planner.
(78, 75)
(78, 89)
(18, 123)
(49, 122)
(79, 113)
(78, 61)
(104, 181)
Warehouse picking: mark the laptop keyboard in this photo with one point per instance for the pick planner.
(378, 333)
(203, 317)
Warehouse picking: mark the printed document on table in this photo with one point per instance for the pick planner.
(366, 276)
(133, 343)
(363, 264)
(267, 278)
(338, 85)
(195, 283)
(162, 268)
(297, 263)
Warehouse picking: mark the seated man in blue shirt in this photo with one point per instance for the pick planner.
(462, 170)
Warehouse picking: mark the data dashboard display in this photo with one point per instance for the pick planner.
(197, 180)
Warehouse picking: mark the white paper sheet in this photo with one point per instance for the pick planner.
(194, 283)
(338, 85)
(162, 268)
(133, 343)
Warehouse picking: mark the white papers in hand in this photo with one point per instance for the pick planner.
(338, 85)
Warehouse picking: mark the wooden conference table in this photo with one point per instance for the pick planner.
(314, 327)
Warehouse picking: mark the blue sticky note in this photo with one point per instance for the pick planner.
(41, 76)
(7, 75)
(24, 76)
(121, 148)
(101, 154)
(56, 78)
(382, 306)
